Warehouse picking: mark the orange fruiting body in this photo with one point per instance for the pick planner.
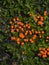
(22, 43)
(21, 35)
(12, 27)
(17, 30)
(34, 37)
(22, 29)
(47, 49)
(41, 18)
(44, 56)
(40, 49)
(36, 32)
(12, 30)
(45, 13)
(14, 19)
(39, 54)
(30, 32)
(27, 25)
(25, 40)
(18, 42)
(17, 19)
(30, 14)
(46, 40)
(10, 22)
(39, 22)
(40, 36)
(47, 37)
(17, 39)
(42, 32)
(12, 38)
(48, 53)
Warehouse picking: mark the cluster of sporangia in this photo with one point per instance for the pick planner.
(47, 38)
(25, 32)
(43, 52)
(39, 18)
